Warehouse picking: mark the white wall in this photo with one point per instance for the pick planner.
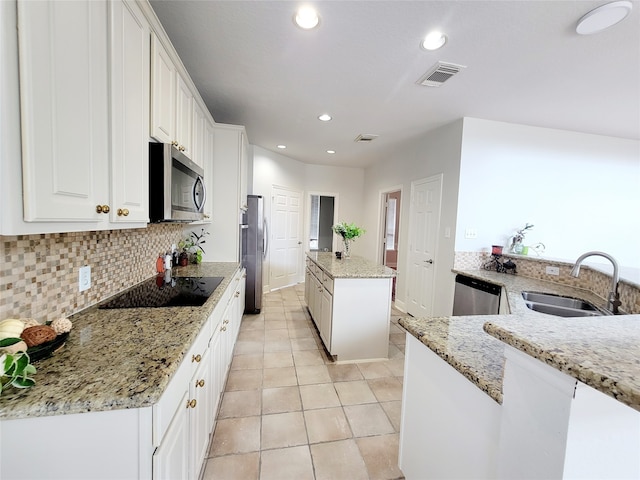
(582, 192)
(436, 152)
(270, 168)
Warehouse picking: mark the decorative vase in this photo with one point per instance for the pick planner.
(347, 246)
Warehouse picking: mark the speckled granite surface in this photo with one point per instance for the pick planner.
(353, 267)
(602, 351)
(121, 358)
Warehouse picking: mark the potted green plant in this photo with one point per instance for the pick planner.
(15, 368)
(192, 248)
(348, 232)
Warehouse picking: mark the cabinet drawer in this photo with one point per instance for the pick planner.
(327, 281)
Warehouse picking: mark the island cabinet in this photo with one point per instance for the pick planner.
(166, 438)
(350, 303)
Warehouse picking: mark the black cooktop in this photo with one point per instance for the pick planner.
(161, 292)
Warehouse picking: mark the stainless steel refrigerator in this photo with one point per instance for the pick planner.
(254, 248)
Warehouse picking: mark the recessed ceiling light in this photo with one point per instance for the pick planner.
(434, 41)
(282, 146)
(603, 17)
(306, 18)
(331, 151)
(325, 117)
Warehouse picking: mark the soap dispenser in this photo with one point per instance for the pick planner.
(160, 263)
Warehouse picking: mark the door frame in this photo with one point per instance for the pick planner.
(382, 224)
(307, 215)
(440, 178)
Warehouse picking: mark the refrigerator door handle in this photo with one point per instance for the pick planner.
(265, 239)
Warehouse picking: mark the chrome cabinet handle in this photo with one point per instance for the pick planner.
(429, 261)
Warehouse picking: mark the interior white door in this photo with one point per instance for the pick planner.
(424, 228)
(286, 241)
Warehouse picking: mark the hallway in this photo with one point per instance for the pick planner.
(289, 412)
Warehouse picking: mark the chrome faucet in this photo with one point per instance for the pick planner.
(613, 302)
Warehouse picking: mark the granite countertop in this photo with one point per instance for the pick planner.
(599, 351)
(352, 267)
(116, 358)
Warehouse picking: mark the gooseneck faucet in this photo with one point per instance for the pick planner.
(613, 302)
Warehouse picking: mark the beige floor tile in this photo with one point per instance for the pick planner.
(344, 372)
(308, 357)
(298, 344)
(312, 374)
(276, 334)
(394, 413)
(395, 352)
(276, 324)
(278, 359)
(236, 435)
(241, 404)
(374, 370)
(394, 328)
(248, 346)
(251, 335)
(274, 316)
(354, 393)
(287, 464)
(397, 338)
(282, 430)
(279, 345)
(296, 315)
(338, 461)
(380, 455)
(244, 380)
(280, 400)
(396, 365)
(386, 389)
(233, 467)
(327, 425)
(247, 362)
(321, 395)
(367, 420)
(279, 377)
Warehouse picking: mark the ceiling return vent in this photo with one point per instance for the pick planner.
(439, 73)
(365, 138)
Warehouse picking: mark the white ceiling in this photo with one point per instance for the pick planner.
(525, 64)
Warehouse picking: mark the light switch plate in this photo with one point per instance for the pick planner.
(84, 278)
(552, 271)
(471, 233)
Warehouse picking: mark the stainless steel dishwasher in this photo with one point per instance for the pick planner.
(475, 297)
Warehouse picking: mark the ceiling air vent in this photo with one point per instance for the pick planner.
(365, 137)
(439, 73)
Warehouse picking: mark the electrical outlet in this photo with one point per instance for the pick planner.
(471, 233)
(552, 271)
(84, 278)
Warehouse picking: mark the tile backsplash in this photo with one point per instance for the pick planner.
(39, 273)
(533, 267)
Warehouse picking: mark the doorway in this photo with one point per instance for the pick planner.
(321, 221)
(390, 236)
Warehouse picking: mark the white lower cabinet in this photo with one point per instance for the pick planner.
(201, 395)
(171, 459)
(326, 299)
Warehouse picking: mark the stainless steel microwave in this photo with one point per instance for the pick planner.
(176, 186)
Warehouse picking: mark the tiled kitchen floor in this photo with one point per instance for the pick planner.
(289, 412)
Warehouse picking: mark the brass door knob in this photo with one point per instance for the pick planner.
(123, 212)
(102, 208)
(196, 358)
(191, 403)
(200, 383)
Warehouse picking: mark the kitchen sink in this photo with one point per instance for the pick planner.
(561, 306)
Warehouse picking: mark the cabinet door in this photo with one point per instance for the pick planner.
(207, 164)
(184, 116)
(307, 286)
(200, 414)
(163, 93)
(171, 458)
(317, 302)
(198, 135)
(244, 165)
(326, 317)
(218, 371)
(64, 110)
(129, 42)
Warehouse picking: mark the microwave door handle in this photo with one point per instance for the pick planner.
(204, 193)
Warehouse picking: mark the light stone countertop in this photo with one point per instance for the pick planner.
(601, 352)
(116, 358)
(352, 267)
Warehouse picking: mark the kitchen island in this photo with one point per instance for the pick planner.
(111, 403)
(350, 303)
(522, 395)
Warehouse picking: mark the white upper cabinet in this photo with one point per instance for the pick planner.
(129, 113)
(64, 110)
(163, 92)
(198, 135)
(184, 116)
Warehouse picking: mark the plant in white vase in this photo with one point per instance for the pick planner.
(348, 232)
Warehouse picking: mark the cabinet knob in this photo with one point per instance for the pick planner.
(191, 403)
(223, 329)
(225, 322)
(102, 208)
(181, 148)
(196, 358)
(237, 294)
(123, 212)
(175, 143)
(206, 215)
(200, 383)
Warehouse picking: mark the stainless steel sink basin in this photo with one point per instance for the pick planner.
(561, 306)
